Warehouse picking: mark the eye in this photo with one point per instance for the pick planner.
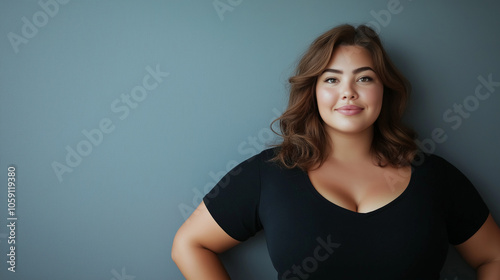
(331, 80)
(365, 79)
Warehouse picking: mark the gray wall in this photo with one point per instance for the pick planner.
(108, 207)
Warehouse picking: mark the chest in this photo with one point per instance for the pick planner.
(360, 189)
(304, 229)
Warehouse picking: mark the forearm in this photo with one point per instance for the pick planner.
(489, 271)
(197, 263)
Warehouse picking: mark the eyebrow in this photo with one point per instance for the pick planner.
(355, 71)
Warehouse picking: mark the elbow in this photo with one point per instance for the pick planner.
(174, 254)
(183, 248)
(489, 270)
(177, 246)
(494, 260)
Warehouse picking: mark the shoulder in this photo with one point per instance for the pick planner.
(438, 170)
(254, 164)
(269, 153)
(265, 165)
(431, 162)
(264, 157)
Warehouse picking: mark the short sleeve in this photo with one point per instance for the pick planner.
(234, 200)
(466, 211)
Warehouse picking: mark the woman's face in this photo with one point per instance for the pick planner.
(349, 92)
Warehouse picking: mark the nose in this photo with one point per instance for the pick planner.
(349, 93)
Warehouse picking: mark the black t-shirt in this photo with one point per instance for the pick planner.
(308, 237)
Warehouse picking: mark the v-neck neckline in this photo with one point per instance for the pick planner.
(329, 203)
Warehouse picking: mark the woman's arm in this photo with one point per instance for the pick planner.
(196, 245)
(482, 250)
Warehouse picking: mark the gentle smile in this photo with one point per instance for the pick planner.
(349, 110)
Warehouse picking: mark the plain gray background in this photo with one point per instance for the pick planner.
(70, 66)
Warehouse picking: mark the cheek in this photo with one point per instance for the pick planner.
(376, 97)
(326, 98)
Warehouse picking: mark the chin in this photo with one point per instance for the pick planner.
(352, 129)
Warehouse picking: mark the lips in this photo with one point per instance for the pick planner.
(349, 110)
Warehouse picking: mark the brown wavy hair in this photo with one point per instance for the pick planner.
(305, 142)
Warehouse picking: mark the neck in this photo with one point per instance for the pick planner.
(351, 147)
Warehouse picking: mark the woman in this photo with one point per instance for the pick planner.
(344, 196)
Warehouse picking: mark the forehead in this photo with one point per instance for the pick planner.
(350, 57)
